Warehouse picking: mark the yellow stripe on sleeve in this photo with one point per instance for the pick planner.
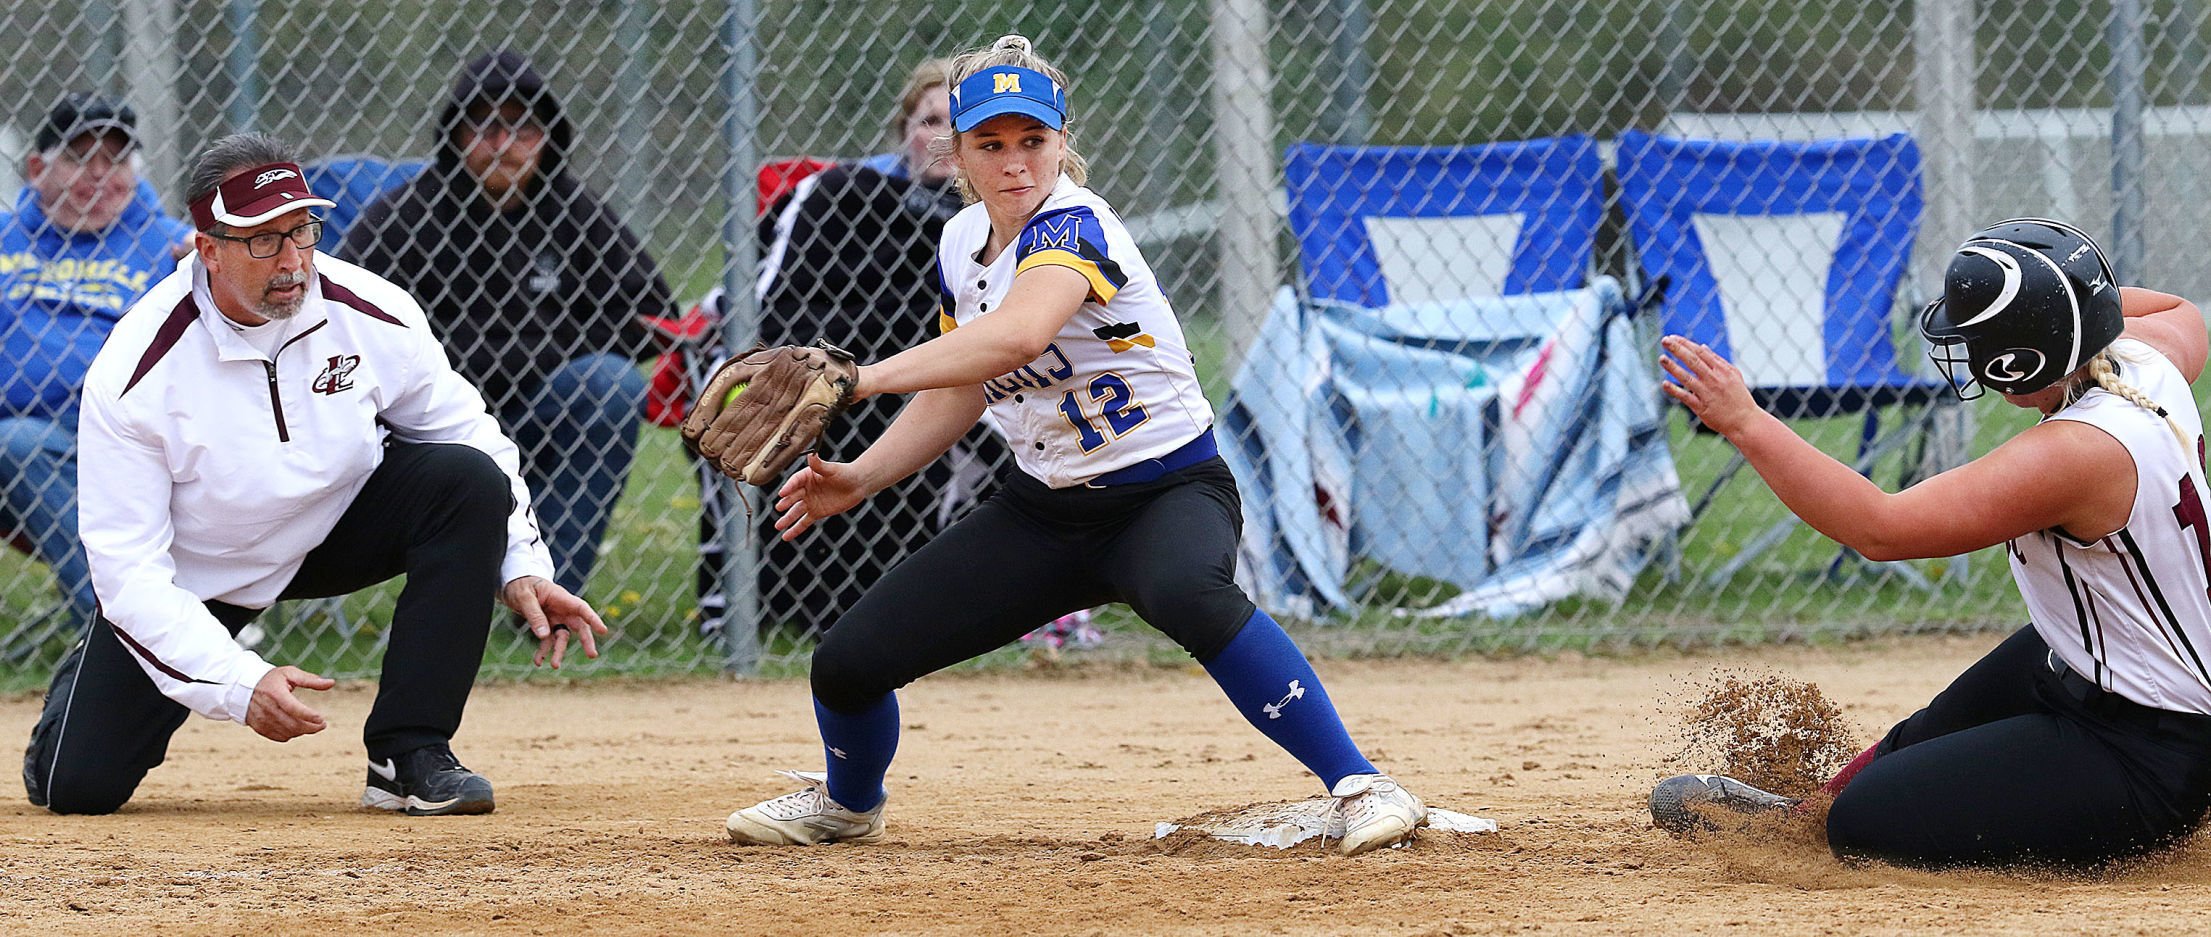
(1101, 289)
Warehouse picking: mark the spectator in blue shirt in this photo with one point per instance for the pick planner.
(86, 238)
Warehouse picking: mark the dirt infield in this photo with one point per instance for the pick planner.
(1022, 804)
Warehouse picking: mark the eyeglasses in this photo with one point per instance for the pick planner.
(266, 244)
(526, 127)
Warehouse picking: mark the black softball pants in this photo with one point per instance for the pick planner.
(435, 512)
(2017, 763)
(1033, 553)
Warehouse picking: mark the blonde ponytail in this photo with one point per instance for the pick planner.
(1015, 50)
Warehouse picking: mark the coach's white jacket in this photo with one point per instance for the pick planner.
(206, 471)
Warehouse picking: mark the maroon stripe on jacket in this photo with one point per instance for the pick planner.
(140, 649)
(165, 338)
(332, 291)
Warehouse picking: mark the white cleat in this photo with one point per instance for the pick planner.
(1377, 813)
(805, 817)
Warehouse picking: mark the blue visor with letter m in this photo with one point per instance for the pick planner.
(1008, 89)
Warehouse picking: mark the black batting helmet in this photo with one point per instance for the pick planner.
(2024, 303)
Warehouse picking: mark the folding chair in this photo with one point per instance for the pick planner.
(1786, 258)
(1449, 288)
(1377, 225)
(353, 182)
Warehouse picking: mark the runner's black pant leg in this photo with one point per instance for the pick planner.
(2043, 788)
(1998, 686)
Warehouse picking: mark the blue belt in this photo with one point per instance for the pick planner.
(1151, 470)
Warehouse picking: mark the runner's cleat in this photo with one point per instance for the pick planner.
(1681, 804)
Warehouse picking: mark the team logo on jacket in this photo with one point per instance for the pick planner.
(338, 376)
(1122, 336)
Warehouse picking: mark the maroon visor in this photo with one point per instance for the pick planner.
(254, 196)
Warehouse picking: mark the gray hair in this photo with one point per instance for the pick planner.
(229, 155)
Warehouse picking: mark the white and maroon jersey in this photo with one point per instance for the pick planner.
(1117, 386)
(2132, 610)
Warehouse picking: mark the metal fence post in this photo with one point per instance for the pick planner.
(632, 85)
(1943, 77)
(101, 70)
(1243, 146)
(2128, 65)
(1346, 120)
(1943, 86)
(150, 73)
(741, 315)
(244, 63)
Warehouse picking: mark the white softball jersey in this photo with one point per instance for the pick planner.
(1117, 386)
(2132, 610)
(208, 468)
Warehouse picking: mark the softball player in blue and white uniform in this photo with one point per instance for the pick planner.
(1052, 322)
(2086, 736)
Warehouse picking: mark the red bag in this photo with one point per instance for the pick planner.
(668, 396)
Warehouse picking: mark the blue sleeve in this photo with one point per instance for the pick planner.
(1072, 238)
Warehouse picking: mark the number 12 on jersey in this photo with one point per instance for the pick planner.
(1117, 409)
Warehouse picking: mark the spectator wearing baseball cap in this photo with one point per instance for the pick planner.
(536, 287)
(86, 238)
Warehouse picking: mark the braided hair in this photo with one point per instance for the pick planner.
(2102, 371)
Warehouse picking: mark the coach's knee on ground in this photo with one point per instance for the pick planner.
(83, 791)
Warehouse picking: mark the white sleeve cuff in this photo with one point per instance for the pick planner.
(532, 560)
(239, 694)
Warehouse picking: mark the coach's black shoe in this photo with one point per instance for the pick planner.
(1681, 804)
(426, 782)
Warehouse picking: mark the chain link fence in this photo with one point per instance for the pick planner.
(1422, 248)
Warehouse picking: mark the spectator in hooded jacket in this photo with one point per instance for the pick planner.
(536, 288)
(86, 239)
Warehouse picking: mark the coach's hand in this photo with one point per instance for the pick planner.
(821, 489)
(553, 613)
(277, 714)
(1708, 385)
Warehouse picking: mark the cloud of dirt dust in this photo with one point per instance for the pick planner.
(1772, 732)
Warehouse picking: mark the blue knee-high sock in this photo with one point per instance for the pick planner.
(858, 747)
(1268, 679)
